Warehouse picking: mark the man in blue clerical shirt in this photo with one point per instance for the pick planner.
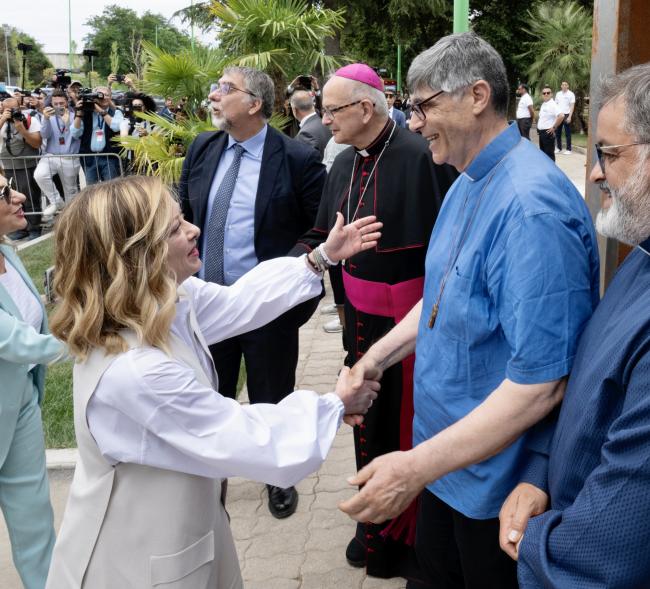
(511, 280)
(592, 502)
(254, 192)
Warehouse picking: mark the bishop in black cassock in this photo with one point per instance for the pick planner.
(394, 178)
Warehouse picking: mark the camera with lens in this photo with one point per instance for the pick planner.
(119, 78)
(88, 99)
(61, 79)
(17, 115)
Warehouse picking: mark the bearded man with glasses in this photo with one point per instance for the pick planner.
(253, 192)
(590, 506)
(511, 278)
(387, 172)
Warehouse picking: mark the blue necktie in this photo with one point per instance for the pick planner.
(217, 222)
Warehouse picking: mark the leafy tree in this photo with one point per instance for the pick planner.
(560, 48)
(36, 61)
(375, 28)
(124, 27)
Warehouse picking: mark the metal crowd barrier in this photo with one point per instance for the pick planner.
(71, 169)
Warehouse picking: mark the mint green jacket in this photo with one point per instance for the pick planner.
(20, 346)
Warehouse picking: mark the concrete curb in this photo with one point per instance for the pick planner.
(25, 244)
(61, 459)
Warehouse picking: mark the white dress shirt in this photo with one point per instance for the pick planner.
(150, 409)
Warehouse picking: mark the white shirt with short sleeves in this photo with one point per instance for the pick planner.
(548, 112)
(565, 100)
(522, 106)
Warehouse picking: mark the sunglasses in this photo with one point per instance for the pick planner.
(546, 93)
(416, 108)
(5, 191)
(603, 151)
(225, 88)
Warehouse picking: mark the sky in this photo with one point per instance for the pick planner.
(47, 20)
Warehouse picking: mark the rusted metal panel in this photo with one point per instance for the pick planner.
(620, 40)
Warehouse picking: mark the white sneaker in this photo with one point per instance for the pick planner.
(557, 150)
(567, 152)
(333, 326)
(328, 310)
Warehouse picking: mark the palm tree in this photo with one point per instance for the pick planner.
(561, 48)
(187, 74)
(282, 37)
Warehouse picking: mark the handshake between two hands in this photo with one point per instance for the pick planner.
(357, 391)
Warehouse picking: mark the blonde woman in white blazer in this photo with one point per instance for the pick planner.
(155, 438)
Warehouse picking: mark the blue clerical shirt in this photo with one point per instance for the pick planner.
(517, 296)
(239, 240)
(596, 534)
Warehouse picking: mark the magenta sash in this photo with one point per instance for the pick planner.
(380, 298)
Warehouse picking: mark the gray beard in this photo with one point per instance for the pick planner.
(221, 123)
(628, 217)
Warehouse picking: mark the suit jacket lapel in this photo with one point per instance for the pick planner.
(6, 300)
(209, 167)
(272, 161)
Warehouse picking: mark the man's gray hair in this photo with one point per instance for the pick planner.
(633, 85)
(361, 91)
(259, 83)
(456, 62)
(302, 101)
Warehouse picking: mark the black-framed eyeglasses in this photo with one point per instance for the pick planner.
(5, 191)
(602, 151)
(416, 108)
(225, 87)
(330, 112)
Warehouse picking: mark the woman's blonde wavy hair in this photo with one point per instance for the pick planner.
(111, 266)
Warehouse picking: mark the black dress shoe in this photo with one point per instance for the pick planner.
(282, 502)
(355, 554)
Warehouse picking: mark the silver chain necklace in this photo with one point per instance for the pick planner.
(354, 165)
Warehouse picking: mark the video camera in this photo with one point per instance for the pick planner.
(61, 79)
(88, 99)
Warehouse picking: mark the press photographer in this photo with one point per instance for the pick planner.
(20, 136)
(133, 125)
(101, 122)
(62, 139)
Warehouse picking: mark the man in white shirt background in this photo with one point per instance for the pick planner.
(566, 100)
(550, 118)
(525, 111)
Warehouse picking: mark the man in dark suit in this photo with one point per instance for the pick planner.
(393, 112)
(253, 192)
(312, 131)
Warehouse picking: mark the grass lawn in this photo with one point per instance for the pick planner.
(578, 139)
(58, 420)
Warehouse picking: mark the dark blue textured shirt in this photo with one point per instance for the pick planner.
(597, 533)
